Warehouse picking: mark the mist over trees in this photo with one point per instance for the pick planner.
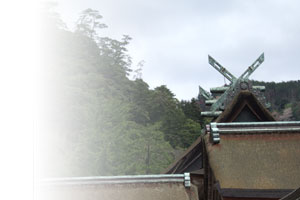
(98, 121)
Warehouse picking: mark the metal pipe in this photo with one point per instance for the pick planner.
(211, 113)
(161, 178)
(246, 124)
(210, 102)
(219, 89)
(235, 128)
(256, 130)
(114, 182)
(258, 87)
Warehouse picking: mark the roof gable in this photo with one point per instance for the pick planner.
(247, 115)
(245, 107)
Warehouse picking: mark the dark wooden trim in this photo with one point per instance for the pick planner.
(244, 105)
(191, 162)
(255, 193)
(293, 195)
(173, 168)
(235, 114)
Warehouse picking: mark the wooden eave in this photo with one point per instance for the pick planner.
(254, 193)
(186, 159)
(294, 195)
(240, 101)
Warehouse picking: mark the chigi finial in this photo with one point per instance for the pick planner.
(221, 95)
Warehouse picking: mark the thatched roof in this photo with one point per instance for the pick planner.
(258, 161)
(146, 187)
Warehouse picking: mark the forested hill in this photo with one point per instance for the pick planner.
(96, 121)
(284, 98)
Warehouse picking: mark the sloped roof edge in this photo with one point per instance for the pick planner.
(172, 167)
(244, 97)
(294, 195)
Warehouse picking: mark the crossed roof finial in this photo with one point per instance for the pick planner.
(225, 93)
(230, 76)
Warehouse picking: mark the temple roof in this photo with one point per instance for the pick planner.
(246, 149)
(191, 160)
(259, 155)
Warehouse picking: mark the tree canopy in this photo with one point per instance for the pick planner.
(101, 122)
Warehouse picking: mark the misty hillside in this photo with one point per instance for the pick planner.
(98, 121)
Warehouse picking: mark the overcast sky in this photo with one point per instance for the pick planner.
(174, 38)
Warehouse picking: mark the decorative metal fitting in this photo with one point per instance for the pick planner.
(244, 85)
(187, 179)
(207, 128)
(214, 132)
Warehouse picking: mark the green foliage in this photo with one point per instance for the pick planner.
(101, 122)
(283, 95)
(192, 110)
(190, 132)
(89, 22)
(296, 110)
